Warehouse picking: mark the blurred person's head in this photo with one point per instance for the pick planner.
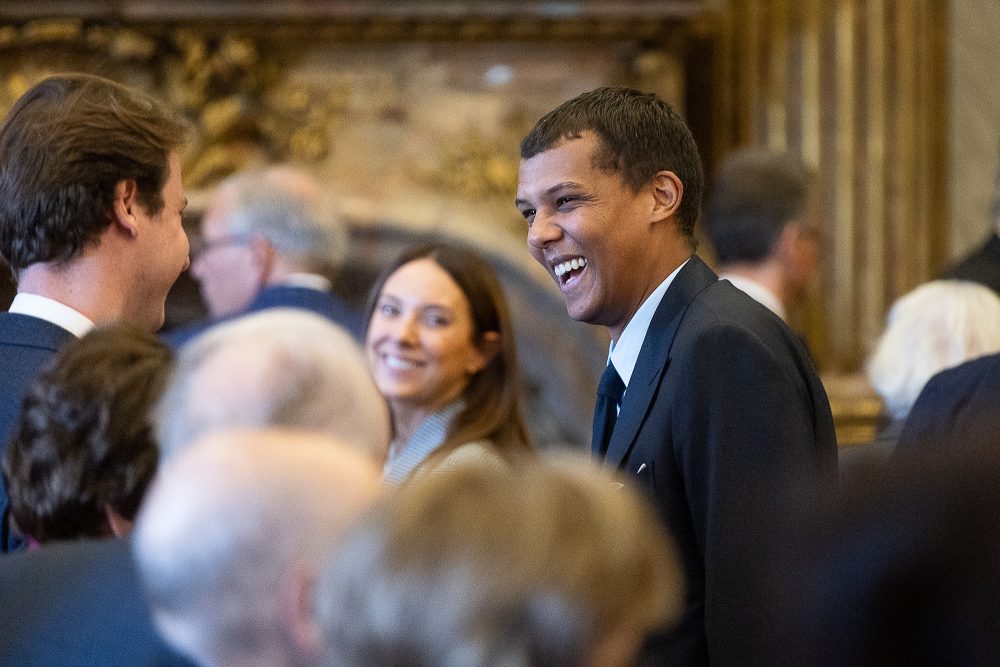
(230, 539)
(260, 227)
(278, 368)
(439, 331)
(83, 451)
(940, 324)
(91, 197)
(552, 565)
(760, 216)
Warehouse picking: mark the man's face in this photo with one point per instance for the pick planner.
(224, 265)
(589, 230)
(164, 251)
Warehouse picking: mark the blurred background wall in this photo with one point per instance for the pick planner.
(413, 112)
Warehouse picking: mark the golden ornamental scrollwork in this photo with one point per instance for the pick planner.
(240, 108)
(473, 166)
(253, 96)
(245, 111)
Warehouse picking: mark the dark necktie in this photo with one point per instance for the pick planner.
(609, 395)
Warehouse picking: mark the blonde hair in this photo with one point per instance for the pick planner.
(475, 565)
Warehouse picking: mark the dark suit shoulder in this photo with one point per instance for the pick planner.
(77, 603)
(982, 374)
(723, 311)
(320, 302)
(181, 336)
(27, 344)
(729, 303)
(958, 407)
(25, 331)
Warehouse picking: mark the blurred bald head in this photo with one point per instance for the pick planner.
(278, 368)
(230, 537)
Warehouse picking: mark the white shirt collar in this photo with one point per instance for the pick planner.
(52, 311)
(308, 280)
(625, 352)
(756, 291)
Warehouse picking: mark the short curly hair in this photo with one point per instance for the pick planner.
(639, 134)
(84, 441)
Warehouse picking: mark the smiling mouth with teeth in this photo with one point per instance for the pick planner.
(398, 363)
(571, 267)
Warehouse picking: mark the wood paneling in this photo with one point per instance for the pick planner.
(858, 89)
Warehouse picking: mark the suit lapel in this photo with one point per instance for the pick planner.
(654, 355)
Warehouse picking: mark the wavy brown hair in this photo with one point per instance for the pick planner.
(64, 146)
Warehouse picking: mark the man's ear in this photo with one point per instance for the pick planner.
(117, 524)
(263, 256)
(787, 244)
(667, 194)
(123, 208)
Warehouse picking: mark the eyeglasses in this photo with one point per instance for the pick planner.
(202, 247)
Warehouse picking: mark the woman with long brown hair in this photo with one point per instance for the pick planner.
(441, 347)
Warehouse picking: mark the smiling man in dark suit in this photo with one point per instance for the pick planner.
(722, 410)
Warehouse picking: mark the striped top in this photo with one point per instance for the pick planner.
(406, 457)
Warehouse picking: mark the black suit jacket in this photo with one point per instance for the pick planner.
(281, 296)
(959, 408)
(77, 604)
(981, 266)
(723, 415)
(26, 345)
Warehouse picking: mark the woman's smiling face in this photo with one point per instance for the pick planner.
(421, 341)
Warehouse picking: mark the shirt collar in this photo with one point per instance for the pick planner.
(625, 352)
(307, 280)
(52, 311)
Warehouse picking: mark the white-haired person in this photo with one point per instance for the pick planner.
(937, 326)
(277, 369)
(229, 541)
(270, 238)
(280, 367)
